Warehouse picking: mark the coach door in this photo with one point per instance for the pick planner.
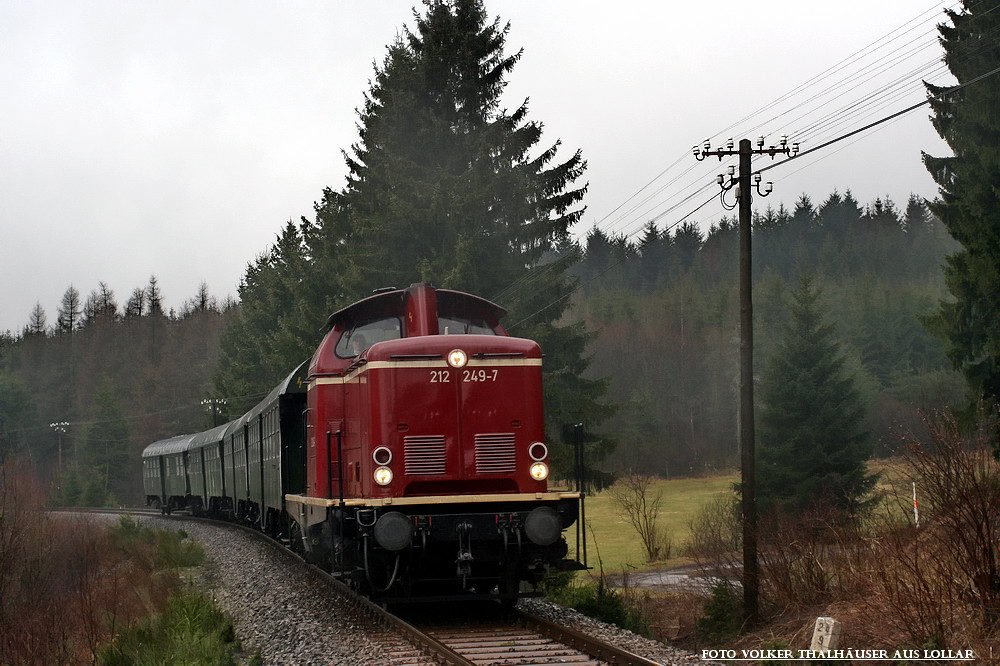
(161, 465)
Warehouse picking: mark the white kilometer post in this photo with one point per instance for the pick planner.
(826, 635)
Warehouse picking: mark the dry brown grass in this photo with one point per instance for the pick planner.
(673, 616)
(65, 588)
(891, 583)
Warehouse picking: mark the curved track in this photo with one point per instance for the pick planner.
(460, 634)
(495, 635)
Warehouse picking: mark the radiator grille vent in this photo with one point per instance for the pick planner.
(424, 455)
(495, 453)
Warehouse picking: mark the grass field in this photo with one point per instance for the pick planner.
(613, 538)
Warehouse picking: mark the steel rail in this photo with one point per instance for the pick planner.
(581, 641)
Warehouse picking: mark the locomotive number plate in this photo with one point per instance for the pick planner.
(481, 375)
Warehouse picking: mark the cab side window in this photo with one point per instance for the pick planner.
(363, 335)
(458, 325)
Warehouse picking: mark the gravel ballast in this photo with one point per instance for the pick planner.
(609, 633)
(288, 619)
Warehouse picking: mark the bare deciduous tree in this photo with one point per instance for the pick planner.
(640, 503)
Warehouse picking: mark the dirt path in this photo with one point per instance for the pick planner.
(689, 579)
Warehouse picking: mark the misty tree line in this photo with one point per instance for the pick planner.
(119, 375)
(837, 238)
(666, 312)
(445, 185)
(102, 304)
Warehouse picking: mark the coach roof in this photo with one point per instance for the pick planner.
(167, 446)
(212, 436)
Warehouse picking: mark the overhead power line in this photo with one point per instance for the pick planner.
(857, 72)
(945, 93)
(767, 168)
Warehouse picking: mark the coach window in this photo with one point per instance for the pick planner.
(458, 325)
(355, 340)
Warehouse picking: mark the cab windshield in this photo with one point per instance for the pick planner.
(355, 340)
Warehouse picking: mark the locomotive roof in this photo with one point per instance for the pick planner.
(174, 444)
(462, 300)
(456, 301)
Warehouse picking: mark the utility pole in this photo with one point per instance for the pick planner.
(748, 491)
(60, 428)
(214, 405)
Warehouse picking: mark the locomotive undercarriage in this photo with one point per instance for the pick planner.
(440, 551)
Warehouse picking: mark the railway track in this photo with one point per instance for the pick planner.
(463, 635)
(501, 636)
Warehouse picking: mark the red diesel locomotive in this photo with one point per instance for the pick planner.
(407, 456)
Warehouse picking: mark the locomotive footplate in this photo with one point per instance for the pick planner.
(516, 524)
(464, 545)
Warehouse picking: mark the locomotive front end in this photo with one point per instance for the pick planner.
(428, 468)
(453, 415)
(458, 471)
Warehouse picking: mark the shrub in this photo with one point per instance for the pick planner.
(942, 578)
(602, 603)
(192, 630)
(171, 549)
(64, 567)
(175, 550)
(597, 600)
(722, 617)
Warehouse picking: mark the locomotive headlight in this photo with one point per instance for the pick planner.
(539, 471)
(383, 476)
(457, 358)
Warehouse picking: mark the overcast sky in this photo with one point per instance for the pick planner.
(175, 138)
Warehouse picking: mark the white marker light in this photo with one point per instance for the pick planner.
(382, 455)
(457, 358)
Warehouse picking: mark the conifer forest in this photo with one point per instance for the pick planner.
(661, 317)
(868, 314)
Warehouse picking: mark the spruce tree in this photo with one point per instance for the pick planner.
(135, 306)
(37, 322)
(804, 214)
(444, 186)
(812, 446)
(105, 447)
(68, 319)
(154, 298)
(272, 331)
(969, 197)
